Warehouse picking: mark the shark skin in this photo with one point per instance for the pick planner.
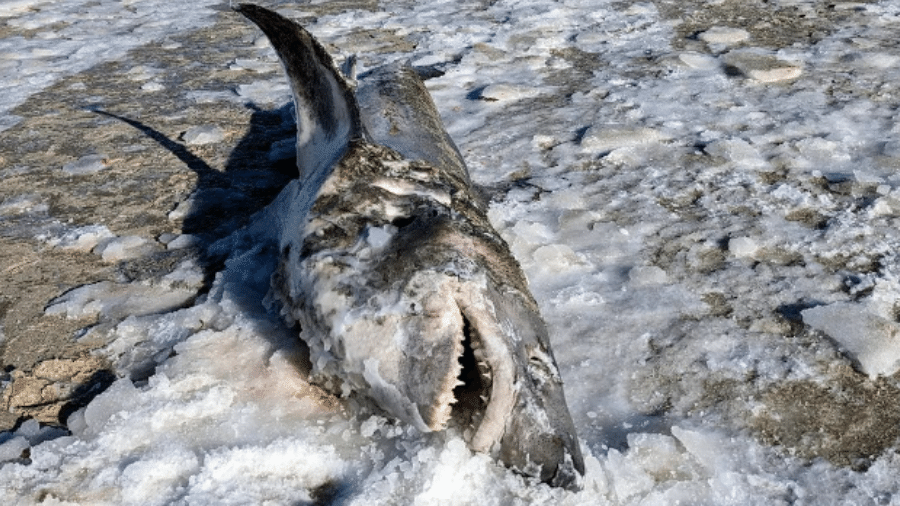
(403, 290)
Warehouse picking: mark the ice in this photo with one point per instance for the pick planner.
(742, 247)
(724, 36)
(82, 239)
(273, 91)
(23, 204)
(13, 448)
(117, 300)
(203, 134)
(776, 74)
(505, 92)
(699, 61)
(114, 249)
(183, 241)
(85, 165)
(647, 276)
(14, 445)
(605, 138)
(873, 341)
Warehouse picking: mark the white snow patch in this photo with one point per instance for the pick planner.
(873, 341)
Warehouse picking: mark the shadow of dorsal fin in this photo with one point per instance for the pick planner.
(327, 112)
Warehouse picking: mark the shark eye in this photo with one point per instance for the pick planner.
(402, 221)
(539, 366)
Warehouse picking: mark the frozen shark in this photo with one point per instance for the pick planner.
(403, 290)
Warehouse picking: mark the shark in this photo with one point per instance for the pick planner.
(402, 289)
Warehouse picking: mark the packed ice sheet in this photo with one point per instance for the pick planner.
(705, 227)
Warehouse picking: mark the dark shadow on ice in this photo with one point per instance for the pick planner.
(85, 393)
(614, 436)
(792, 313)
(222, 203)
(224, 200)
(330, 493)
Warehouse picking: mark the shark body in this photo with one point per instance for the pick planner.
(403, 290)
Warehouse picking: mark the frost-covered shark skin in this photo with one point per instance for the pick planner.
(403, 290)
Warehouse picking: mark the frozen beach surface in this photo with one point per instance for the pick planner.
(703, 195)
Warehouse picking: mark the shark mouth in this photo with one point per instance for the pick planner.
(473, 389)
(484, 395)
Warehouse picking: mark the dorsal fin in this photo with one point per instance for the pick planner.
(327, 112)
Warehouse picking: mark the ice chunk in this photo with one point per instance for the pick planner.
(738, 151)
(32, 431)
(184, 208)
(776, 74)
(265, 92)
(89, 164)
(82, 239)
(183, 241)
(120, 396)
(142, 73)
(504, 92)
(873, 341)
(203, 134)
(13, 448)
(255, 65)
(123, 248)
(647, 276)
(699, 61)
(116, 301)
(742, 247)
(762, 67)
(153, 86)
(557, 258)
(706, 447)
(21, 204)
(724, 35)
(605, 138)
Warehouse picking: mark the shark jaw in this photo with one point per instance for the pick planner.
(484, 394)
(500, 397)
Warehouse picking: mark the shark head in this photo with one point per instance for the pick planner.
(404, 291)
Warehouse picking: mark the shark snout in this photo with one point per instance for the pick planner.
(541, 444)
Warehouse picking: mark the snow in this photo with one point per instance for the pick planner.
(680, 211)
